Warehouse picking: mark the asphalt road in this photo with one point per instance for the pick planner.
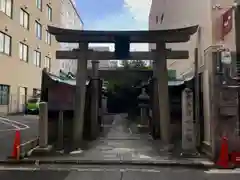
(27, 125)
(116, 173)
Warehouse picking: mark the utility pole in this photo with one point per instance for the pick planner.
(237, 35)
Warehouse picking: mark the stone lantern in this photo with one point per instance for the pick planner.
(143, 104)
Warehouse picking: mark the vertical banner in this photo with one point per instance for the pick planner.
(227, 22)
(188, 133)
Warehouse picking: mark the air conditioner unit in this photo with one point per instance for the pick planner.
(25, 6)
(38, 47)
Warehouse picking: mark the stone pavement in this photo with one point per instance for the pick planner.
(122, 145)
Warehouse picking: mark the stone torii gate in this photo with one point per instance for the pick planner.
(83, 53)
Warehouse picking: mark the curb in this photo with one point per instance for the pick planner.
(110, 162)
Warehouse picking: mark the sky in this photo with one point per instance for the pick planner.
(115, 15)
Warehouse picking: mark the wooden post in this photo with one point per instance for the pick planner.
(60, 130)
(197, 100)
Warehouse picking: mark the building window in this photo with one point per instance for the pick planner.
(6, 7)
(49, 13)
(47, 63)
(48, 38)
(24, 19)
(23, 52)
(37, 58)
(39, 4)
(38, 30)
(4, 94)
(5, 43)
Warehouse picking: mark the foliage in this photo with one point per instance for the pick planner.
(138, 64)
(125, 64)
(128, 79)
(134, 64)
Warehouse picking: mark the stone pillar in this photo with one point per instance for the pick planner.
(81, 77)
(43, 125)
(95, 99)
(188, 129)
(163, 99)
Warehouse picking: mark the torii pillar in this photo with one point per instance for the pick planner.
(95, 99)
(78, 122)
(161, 74)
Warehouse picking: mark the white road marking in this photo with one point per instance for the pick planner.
(205, 162)
(10, 124)
(17, 125)
(79, 151)
(4, 168)
(130, 130)
(223, 171)
(16, 122)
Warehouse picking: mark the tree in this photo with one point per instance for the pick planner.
(138, 64)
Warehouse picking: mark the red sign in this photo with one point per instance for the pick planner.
(235, 158)
(227, 22)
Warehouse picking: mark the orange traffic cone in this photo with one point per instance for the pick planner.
(223, 160)
(15, 152)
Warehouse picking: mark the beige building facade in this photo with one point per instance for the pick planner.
(25, 49)
(165, 14)
(70, 19)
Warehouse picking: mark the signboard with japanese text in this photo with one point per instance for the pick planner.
(188, 134)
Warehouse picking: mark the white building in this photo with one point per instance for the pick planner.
(103, 64)
(208, 14)
(171, 14)
(70, 19)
